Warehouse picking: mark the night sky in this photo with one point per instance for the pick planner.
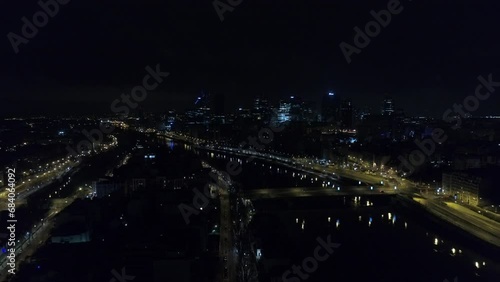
(427, 58)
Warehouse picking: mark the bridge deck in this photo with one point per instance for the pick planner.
(291, 192)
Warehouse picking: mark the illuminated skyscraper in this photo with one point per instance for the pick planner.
(295, 109)
(261, 109)
(284, 111)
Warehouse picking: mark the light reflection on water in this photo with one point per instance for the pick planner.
(381, 233)
(379, 243)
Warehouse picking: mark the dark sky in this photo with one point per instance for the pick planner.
(427, 58)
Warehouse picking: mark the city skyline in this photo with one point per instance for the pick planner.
(422, 66)
(249, 141)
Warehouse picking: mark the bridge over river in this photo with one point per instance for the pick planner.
(291, 192)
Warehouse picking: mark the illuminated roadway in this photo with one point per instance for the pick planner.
(226, 246)
(40, 233)
(53, 171)
(470, 221)
(38, 182)
(303, 164)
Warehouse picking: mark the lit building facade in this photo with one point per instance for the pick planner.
(284, 111)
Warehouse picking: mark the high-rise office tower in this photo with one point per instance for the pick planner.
(284, 111)
(330, 106)
(261, 109)
(346, 114)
